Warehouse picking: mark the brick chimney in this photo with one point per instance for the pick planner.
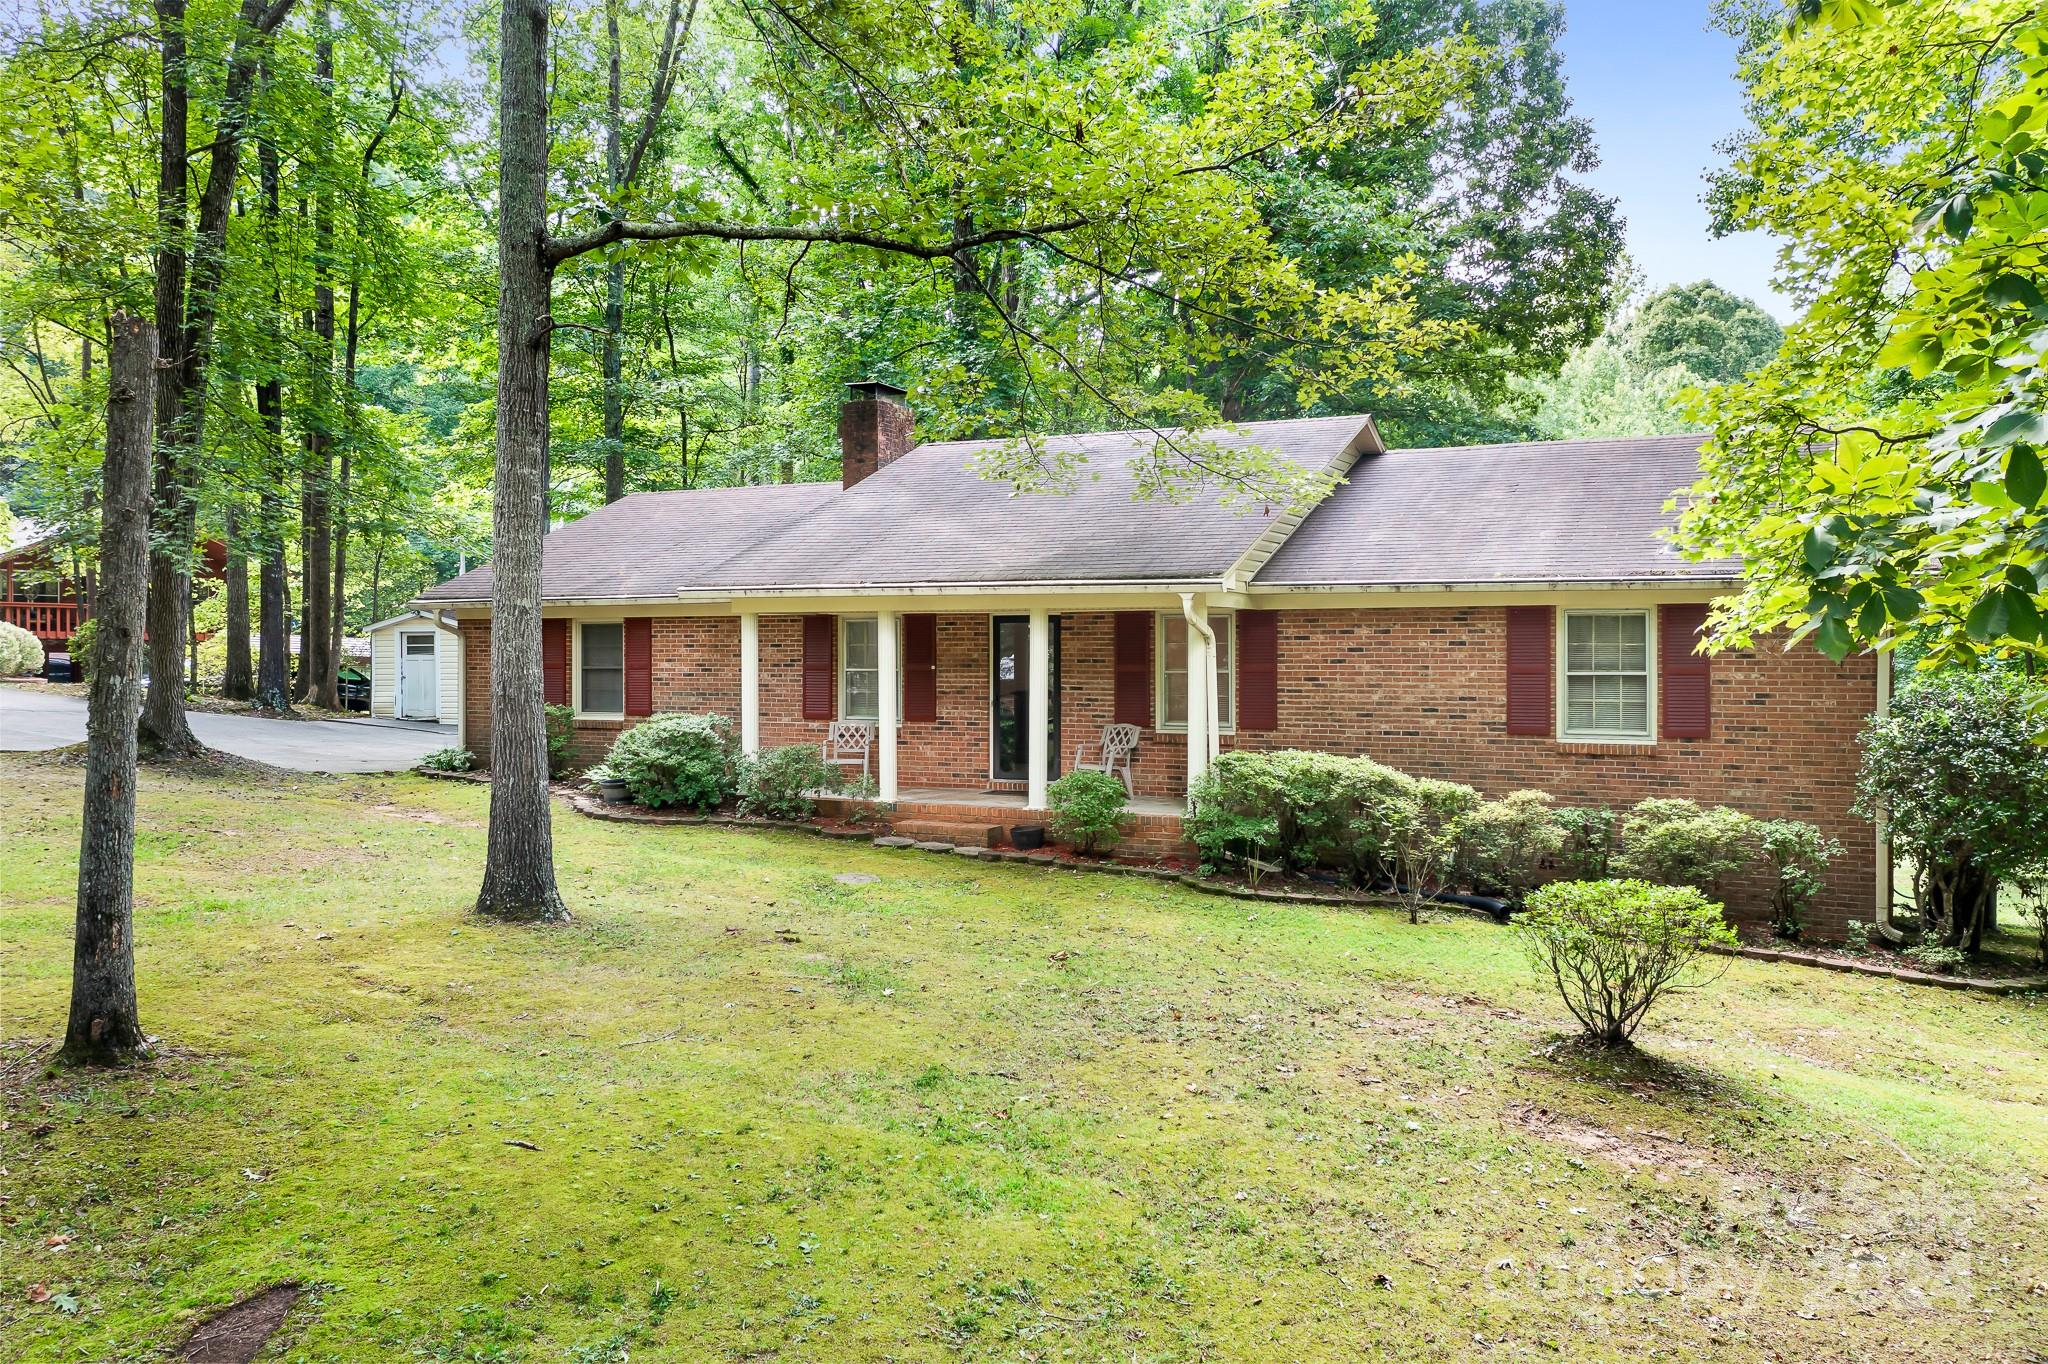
(875, 426)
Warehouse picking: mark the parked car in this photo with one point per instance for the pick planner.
(355, 691)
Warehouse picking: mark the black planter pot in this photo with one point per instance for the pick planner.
(613, 792)
(1025, 837)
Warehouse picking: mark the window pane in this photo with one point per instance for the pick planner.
(1579, 704)
(1176, 698)
(1175, 631)
(862, 703)
(861, 648)
(604, 646)
(1220, 627)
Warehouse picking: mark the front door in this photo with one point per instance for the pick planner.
(419, 680)
(1010, 695)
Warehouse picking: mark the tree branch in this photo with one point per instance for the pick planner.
(559, 249)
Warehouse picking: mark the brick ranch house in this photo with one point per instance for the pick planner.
(1507, 616)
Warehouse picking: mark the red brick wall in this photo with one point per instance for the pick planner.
(1423, 689)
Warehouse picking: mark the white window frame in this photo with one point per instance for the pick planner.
(839, 668)
(1226, 679)
(1565, 733)
(576, 628)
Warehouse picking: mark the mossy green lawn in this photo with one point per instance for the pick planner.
(956, 1111)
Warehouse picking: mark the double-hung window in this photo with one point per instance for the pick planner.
(1607, 675)
(1172, 654)
(860, 669)
(601, 669)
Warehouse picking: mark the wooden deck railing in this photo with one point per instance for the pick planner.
(43, 619)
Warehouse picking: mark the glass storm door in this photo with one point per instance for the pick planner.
(1010, 693)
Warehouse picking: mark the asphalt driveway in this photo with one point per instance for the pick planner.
(32, 719)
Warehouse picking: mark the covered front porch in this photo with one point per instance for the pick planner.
(986, 818)
(991, 705)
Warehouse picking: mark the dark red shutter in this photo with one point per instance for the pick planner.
(921, 667)
(554, 662)
(1258, 669)
(640, 666)
(1684, 678)
(818, 632)
(1133, 643)
(1530, 630)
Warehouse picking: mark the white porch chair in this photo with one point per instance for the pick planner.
(1113, 754)
(849, 743)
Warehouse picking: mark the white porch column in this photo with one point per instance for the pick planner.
(885, 706)
(1201, 686)
(750, 683)
(1037, 709)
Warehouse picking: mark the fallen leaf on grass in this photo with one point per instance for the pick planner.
(38, 1293)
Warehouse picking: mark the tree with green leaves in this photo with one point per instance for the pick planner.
(1124, 209)
(1882, 476)
(1712, 334)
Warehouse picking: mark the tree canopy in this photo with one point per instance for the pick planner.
(1882, 476)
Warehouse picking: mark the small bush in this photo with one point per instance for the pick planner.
(1680, 843)
(783, 783)
(21, 653)
(1588, 847)
(1799, 853)
(686, 760)
(449, 760)
(1424, 828)
(1504, 845)
(1613, 948)
(1933, 956)
(1298, 808)
(1956, 774)
(1087, 810)
(561, 730)
(84, 640)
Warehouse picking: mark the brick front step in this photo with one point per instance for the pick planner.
(964, 832)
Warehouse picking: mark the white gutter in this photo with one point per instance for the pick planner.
(1500, 585)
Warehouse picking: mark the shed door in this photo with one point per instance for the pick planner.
(419, 679)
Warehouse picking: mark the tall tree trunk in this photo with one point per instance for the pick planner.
(163, 716)
(316, 631)
(105, 1025)
(519, 871)
(274, 649)
(237, 682)
(614, 278)
(185, 312)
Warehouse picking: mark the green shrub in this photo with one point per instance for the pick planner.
(21, 653)
(1423, 828)
(686, 760)
(83, 641)
(1298, 808)
(1680, 843)
(1934, 956)
(1961, 784)
(449, 760)
(1613, 948)
(561, 731)
(1504, 845)
(1087, 810)
(1588, 842)
(1799, 854)
(783, 783)
(1231, 834)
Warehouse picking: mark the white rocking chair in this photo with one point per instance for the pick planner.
(848, 743)
(1113, 754)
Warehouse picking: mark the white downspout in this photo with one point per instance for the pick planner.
(1884, 842)
(1202, 719)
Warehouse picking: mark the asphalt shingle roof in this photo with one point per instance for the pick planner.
(1576, 511)
(1537, 512)
(651, 545)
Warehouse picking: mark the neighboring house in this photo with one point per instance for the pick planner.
(38, 593)
(415, 667)
(1508, 616)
